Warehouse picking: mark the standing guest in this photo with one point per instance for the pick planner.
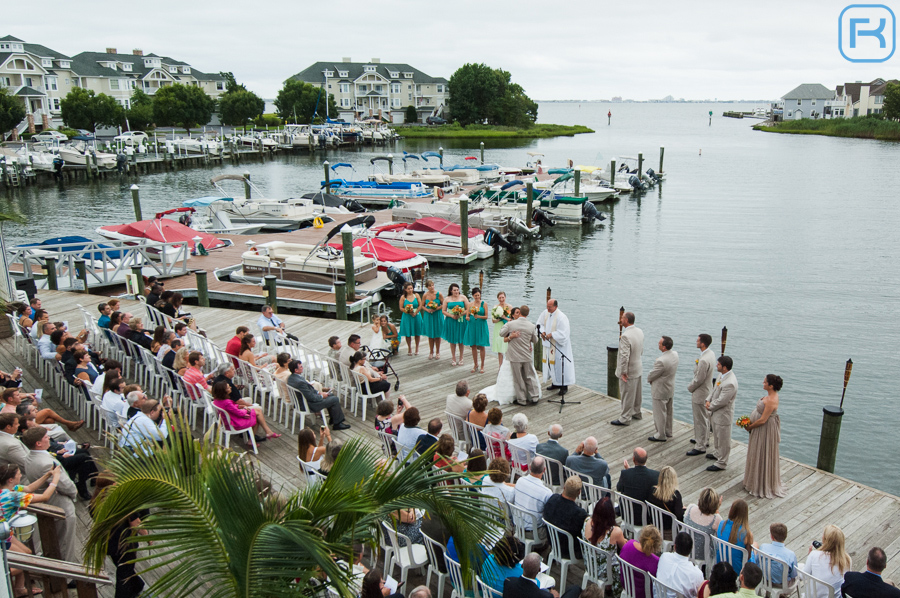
(629, 370)
(128, 583)
(477, 335)
(308, 449)
(564, 512)
(105, 310)
(411, 323)
(314, 400)
(169, 358)
(522, 337)
(124, 330)
(736, 530)
(409, 432)
(585, 460)
(241, 416)
(498, 344)
(373, 586)
(386, 419)
(454, 331)
(375, 381)
(700, 389)
(722, 580)
(720, 405)
(233, 347)
(459, 404)
(869, 582)
(642, 554)
(778, 532)
(667, 497)
(762, 474)
(830, 562)
(637, 482)
(677, 571)
(555, 332)
(532, 495)
(429, 439)
(432, 319)
(377, 341)
(662, 389)
(704, 516)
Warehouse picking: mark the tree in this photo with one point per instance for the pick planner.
(182, 106)
(231, 83)
(82, 109)
(480, 94)
(211, 529)
(140, 115)
(239, 106)
(12, 111)
(297, 101)
(411, 114)
(892, 101)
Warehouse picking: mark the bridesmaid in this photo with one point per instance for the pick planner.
(498, 346)
(454, 325)
(411, 324)
(762, 474)
(433, 320)
(477, 335)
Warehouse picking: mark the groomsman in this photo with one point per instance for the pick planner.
(662, 389)
(629, 370)
(721, 407)
(700, 388)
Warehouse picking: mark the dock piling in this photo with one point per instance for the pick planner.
(577, 183)
(441, 152)
(831, 428)
(138, 273)
(270, 291)
(81, 275)
(464, 225)
(202, 288)
(136, 200)
(340, 298)
(349, 272)
(662, 152)
(50, 269)
(327, 175)
(529, 209)
(246, 185)
(641, 167)
(390, 158)
(612, 381)
(482, 153)
(612, 173)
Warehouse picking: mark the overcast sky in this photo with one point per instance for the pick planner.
(555, 50)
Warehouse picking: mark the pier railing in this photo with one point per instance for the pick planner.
(105, 264)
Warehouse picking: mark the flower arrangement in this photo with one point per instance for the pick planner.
(458, 311)
(743, 422)
(410, 310)
(433, 305)
(474, 309)
(395, 344)
(500, 311)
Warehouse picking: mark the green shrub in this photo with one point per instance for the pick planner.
(271, 120)
(411, 115)
(68, 132)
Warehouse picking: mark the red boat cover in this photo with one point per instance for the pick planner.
(380, 250)
(442, 226)
(165, 231)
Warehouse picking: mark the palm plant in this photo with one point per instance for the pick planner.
(7, 286)
(214, 532)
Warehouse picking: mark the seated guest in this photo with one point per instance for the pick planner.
(169, 358)
(386, 419)
(642, 554)
(180, 362)
(164, 298)
(736, 530)
(637, 482)
(248, 345)
(181, 331)
(331, 452)
(496, 483)
(520, 440)
(114, 304)
(477, 414)
(308, 449)
(375, 381)
(138, 335)
(105, 310)
(34, 306)
(830, 562)
(11, 380)
(476, 465)
(564, 512)
(751, 576)
(12, 451)
(124, 330)
(78, 464)
(527, 586)
(601, 529)
(870, 582)
(667, 497)
(84, 367)
(373, 586)
(722, 580)
(495, 428)
(445, 454)
(676, 569)
(165, 344)
(12, 398)
(532, 495)
(272, 327)
(705, 517)
(504, 561)
(553, 449)
(194, 374)
(282, 361)
(233, 347)
(173, 307)
(40, 317)
(458, 403)
(409, 432)
(314, 400)
(778, 532)
(156, 289)
(426, 441)
(115, 320)
(158, 338)
(586, 460)
(354, 343)
(241, 415)
(114, 398)
(111, 369)
(147, 427)
(45, 344)
(135, 400)
(334, 348)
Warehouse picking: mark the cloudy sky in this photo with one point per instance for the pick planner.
(572, 50)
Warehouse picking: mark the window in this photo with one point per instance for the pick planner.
(343, 73)
(329, 73)
(66, 64)
(370, 69)
(813, 102)
(50, 84)
(173, 69)
(363, 88)
(220, 85)
(114, 84)
(407, 75)
(378, 88)
(5, 81)
(185, 70)
(410, 97)
(440, 88)
(394, 75)
(56, 103)
(395, 102)
(879, 99)
(345, 88)
(46, 62)
(30, 84)
(409, 87)
(126, 66)
(799, 102)
(329, 86)
(345, 102)
(67, 81)
(395, 88)
(4, 46)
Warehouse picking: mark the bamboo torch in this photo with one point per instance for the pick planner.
(481, 281)
(847, 369)
(621, 314)
(724, 338)
(548, 294)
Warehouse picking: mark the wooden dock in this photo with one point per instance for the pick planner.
(814, 498)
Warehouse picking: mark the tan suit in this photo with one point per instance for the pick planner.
(12, 451)
(721, 408)
(631, 347)
(662, 389)
(39, 463)
(458, 406)
(519, 354)
(700, 388)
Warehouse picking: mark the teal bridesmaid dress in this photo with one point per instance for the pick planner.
(433, 324)
(477, 334)
(455, 330)
(411, 326)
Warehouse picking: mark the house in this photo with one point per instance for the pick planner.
(380, 90)
(806, 101)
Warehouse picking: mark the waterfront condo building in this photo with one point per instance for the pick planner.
(374, 89)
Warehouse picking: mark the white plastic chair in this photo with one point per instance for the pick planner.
(557, 537)
(454, 570)
(813, 587)
(522, 520)
(227, 430)
(474, 436)
(457, 429)
(664, 521)
(434, 564)
(726, 551)
(634, 514)
(311, 474)
(364, 394)
(661, 590)
(596, 571)
(702, 554)
(630, 575)
(553, 476)
(486, 591)
(521, 459)
(770, 585)
(411, 556)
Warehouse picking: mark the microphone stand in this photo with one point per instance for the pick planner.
(563, 390)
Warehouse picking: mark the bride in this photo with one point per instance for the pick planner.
(503, 390)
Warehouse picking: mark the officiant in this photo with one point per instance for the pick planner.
(555, 336)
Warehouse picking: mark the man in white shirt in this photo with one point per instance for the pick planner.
(531, 493)
(677, 571)
(111, 368)
(45, 344)
(147, 427)
(272, 327)
(114, 399)
(459, 403)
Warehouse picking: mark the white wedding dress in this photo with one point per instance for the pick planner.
(503, 391)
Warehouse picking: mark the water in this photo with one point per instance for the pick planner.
(786, 240)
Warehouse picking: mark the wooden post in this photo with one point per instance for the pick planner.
(724, 338)
(529, 196)
(612, 173)
(138, 273)
(340, 298)
(202, 288)
(612, 381)
(47, 517)
(50, 267)
(270, 291)
(481, 280)
(539, 357)
(441, 152)
(828, 441)
(247, 185)
(549, 294)
(390, 163)
(81, 274)
(464, 225)
(577, 183)
(640, 167)
(662, 152)
(349, 271)
(327, 175)
(482, 153)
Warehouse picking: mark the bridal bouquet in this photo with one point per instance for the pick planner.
(458, 311)
(433, 305)
(743, 422)
(410, 310)
(500, 312)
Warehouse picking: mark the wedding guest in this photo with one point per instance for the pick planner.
(829, 562)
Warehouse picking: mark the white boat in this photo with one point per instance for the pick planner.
(301, 135)
(207, 214)
(272, 214)
(448, 209)
(594, 190)
(563, 210)
(161, 230)
(431, 233)
(81, 154)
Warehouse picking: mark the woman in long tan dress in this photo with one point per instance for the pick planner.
(762, 475)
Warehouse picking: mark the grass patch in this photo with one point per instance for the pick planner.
(456, 131)
(859, 127)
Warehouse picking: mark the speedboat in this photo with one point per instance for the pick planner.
(271, 214)
(563, 210)
(332, 204)
(162, 230)
(206, 214)
(565, 185)
(82, 154)
(432, 233)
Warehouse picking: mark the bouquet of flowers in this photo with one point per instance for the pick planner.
(410, 310)
(395, 344)
(433, 305)
(500, 312)
(743, 422)
(458, 311)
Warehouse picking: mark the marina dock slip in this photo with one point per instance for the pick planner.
(868, 517)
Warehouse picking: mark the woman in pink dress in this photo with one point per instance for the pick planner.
(242, 416)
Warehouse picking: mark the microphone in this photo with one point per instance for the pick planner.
(538, 328)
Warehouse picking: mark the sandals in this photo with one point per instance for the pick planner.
(273, 435)
(474, 369)
(482, 370)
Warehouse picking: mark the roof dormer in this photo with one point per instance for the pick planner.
(185, 70)
(47, 62)
(370, 68)
(394, 74)
(65, 64)
(343, 74)
(126, 66)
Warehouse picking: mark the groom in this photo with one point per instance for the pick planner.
(521, 335)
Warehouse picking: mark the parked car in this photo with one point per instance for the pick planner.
(435, 120)
(131, 137)
(49, 136)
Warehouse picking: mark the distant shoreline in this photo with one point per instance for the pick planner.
(455, 131)
(859, 127)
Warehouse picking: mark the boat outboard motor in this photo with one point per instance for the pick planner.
(495, 239)
(590, 212)
(636, 184)
(396, 276)
(540, 217)
(354, 206)
(651, 174)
